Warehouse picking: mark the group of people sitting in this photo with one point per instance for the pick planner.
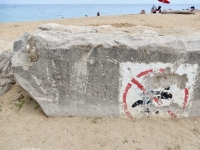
(156, 10)
(153, 10)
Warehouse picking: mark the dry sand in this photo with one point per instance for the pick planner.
(29, 129)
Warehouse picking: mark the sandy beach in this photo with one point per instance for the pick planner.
(28, 128)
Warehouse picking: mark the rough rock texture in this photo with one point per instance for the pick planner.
(6, 74)
(95, 75)
(68, 29)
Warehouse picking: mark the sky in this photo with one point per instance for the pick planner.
(95, 2)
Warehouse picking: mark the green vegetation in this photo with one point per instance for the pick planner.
(19, 103)
(36, 106)
(125, 141)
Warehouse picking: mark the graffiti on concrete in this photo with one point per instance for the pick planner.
(159, 91)
(164, 94)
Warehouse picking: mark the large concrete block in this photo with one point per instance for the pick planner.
(100, 75)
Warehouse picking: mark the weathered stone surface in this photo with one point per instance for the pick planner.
(96, 75)
(68, 29)
(6, 74)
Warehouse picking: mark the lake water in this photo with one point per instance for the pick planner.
(33, 12)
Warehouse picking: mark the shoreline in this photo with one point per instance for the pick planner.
(149, 20)
(91, 10)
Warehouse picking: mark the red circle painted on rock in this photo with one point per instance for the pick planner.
(141, 87)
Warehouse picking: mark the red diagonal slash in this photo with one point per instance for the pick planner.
(141, 87)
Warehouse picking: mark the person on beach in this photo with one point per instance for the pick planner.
(192, 8)
(159, 9)
(98, 14)
(153, 9)
(143, 12)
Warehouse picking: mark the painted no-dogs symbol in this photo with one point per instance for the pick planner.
(156, 89)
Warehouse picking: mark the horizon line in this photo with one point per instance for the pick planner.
(92, 3)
